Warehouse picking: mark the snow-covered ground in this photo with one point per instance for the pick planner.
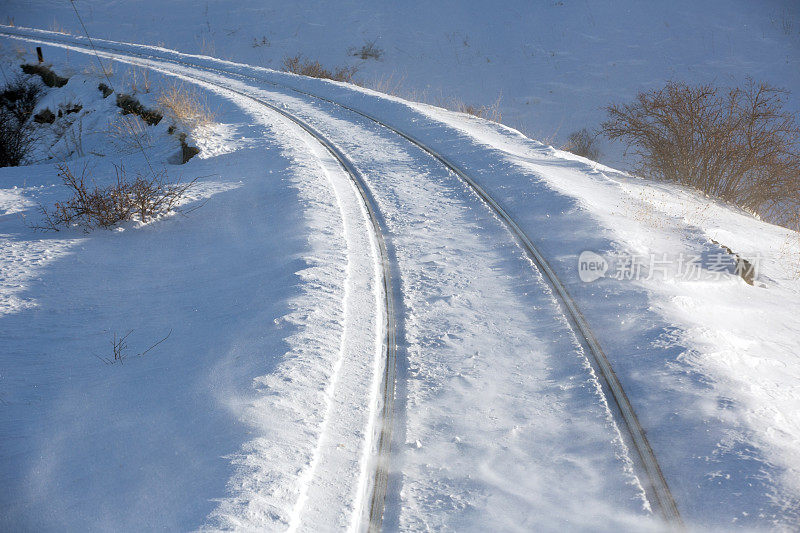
(258, 410)
(554, 64)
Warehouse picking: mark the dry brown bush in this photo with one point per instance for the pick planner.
(583, 143)
(90, 206)
(186, 106)
(737, 144)
(307, 67)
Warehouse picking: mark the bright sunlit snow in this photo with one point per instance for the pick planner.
(246, 393)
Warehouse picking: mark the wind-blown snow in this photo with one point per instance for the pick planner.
(501, 422)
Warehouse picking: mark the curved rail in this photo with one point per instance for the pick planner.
(388, 380)
(656, 487)
(381, 477)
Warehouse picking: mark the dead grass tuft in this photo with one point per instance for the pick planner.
(306, 67)
(186, 106)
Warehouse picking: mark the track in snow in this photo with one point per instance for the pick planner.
(657, 489)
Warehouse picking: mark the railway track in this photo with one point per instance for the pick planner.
(655, 484)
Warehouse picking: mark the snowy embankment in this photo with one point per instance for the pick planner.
(269, 289)
(553, 65)
(501, 422)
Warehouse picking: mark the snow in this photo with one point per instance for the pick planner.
(248, 284)
(270, 375)
(553, 64)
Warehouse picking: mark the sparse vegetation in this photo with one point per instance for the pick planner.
(119, 348)
(105, 89)
(185, 106)
(129, 134)
(49, 78)
(138, 80)
(130, 105)
(369, 50)
(489, 112)
(90, 207)
(738, 144)
(307, 67)
(395, 87)
(258, 43)
(18, 100)
(584, 144)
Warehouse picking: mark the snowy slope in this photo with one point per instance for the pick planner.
(554, 64)
(714, 380)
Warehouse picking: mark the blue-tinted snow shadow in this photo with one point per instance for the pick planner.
(143, 444)
(714, 473)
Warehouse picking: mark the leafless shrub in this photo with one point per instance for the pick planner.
(92, 207)
(18, 99)
(739, 144)
(583, 143)
(128, 134)
(73, 138)
(370, 50)
(306, 67)
(119, 348)
(185, 106)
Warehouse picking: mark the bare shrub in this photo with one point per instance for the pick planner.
(306, 67)
(369, 50)
(583, 143)
(185, 106)
(129, 134)
(18, 99)
(119, 348)
(735, 144)
(90, 206)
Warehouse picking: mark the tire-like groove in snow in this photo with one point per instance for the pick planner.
(656, 487)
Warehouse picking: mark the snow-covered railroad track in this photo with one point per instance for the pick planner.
(656, 486)
(374, 515)
(373, 510)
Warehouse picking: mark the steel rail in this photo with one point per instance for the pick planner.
(655, 484)
(389, 375)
